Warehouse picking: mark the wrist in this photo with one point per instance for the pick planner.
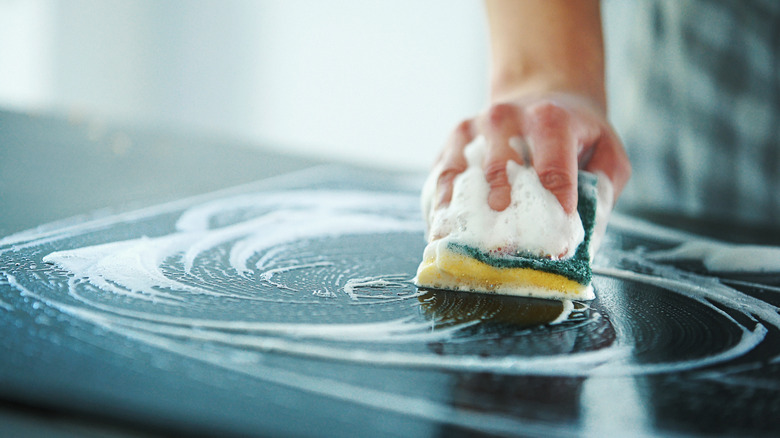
(512, 86)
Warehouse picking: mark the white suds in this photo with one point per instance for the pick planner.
(568, 307)
(381, 282)
(188, 288)
(723, 257)
(534, 222)
(6, 306)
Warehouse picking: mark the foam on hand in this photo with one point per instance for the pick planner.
(530, 248)
(534, 222)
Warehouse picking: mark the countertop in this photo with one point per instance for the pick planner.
(155, 283)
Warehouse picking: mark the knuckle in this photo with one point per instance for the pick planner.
(464, 128)
(449, 174)
(548, 115)
(495, 174)
(500, 113)
(556, 180)
(453, 160)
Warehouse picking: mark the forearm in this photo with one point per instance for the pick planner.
(546, 46)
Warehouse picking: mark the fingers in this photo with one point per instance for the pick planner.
(453, 161)
(560, 139)
(554, 135)
(500, 125)
(609, 157)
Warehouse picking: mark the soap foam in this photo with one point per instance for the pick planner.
(534, 223)
(100, 286)
(723, 257)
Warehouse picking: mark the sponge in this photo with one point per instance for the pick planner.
(533, 249)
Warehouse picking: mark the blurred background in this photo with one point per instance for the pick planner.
(368, 82)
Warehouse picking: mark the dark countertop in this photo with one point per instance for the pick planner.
(52, 167)
(665, 349)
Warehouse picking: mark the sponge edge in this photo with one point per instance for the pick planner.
(450, 264)
(443, 268)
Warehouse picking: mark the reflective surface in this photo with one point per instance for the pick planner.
(286, 307)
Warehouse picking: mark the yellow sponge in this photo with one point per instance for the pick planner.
(443, 268)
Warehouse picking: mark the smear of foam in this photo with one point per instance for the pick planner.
(268, 274)
(382, 283)
(128, 268)
(233, 252)
(414, 406)
(134, 267)
(723, 257)
(705, 290)
(259, 233)
(244, 249)
(736, 300)
(568, 308)
(715, 255)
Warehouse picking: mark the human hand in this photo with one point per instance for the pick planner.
(555, 133)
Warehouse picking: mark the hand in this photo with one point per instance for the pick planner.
(563, 133)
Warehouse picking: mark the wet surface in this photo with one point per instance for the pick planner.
(286, 307)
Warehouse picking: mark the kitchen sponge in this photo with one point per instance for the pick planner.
(531, 249)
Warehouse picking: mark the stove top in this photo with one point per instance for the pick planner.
(286, 307)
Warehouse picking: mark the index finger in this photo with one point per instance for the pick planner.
(552, 135)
